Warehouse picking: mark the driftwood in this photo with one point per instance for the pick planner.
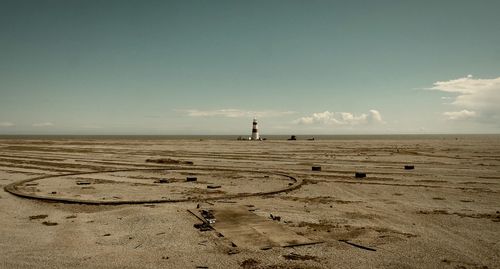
(358, 246)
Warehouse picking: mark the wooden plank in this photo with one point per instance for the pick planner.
(196, 214)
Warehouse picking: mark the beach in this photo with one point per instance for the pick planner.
(109, 208)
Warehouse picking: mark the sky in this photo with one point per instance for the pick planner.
(210, 67)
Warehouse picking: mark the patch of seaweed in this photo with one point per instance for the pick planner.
(249, 264)
(492, 216)
(38, 217)
(318, 200)
(298, 257)
(168, 161)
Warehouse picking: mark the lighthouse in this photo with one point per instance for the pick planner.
(255, 131)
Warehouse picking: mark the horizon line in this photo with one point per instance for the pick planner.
(242, 135)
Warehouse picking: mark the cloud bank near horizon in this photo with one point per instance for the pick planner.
(6, 124)
(234, 113)
(328, 118)
(43, 124)
(475, 98)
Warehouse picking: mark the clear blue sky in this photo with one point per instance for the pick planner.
(209, 67)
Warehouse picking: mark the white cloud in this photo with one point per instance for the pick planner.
(234, 113)
(478, 98)
(460, 115)
(43, 124)
(6, 124)
(341, 118)
(375, 116)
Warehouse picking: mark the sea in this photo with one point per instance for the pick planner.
(266, 137)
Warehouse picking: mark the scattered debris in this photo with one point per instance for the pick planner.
(409, 167)
(162, 180)
(358, 246)
(191, 179)
(49, 223)
(213, 186)
(360, 175)
(316, 168)
(38, 217)
(203, 227)
(298, 257)
(168, 161)
(278, 218)
(208, 215)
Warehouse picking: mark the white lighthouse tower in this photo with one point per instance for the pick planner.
(255, 131)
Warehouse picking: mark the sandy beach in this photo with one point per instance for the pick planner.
(444, 213)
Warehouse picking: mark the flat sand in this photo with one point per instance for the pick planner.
(445, 213)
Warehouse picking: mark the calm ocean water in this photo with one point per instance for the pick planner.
(268, 137)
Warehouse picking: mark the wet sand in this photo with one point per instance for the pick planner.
(443, 214)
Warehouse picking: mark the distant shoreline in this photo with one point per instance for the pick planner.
(268, 137)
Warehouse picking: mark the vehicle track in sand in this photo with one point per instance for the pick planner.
(16, 188)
